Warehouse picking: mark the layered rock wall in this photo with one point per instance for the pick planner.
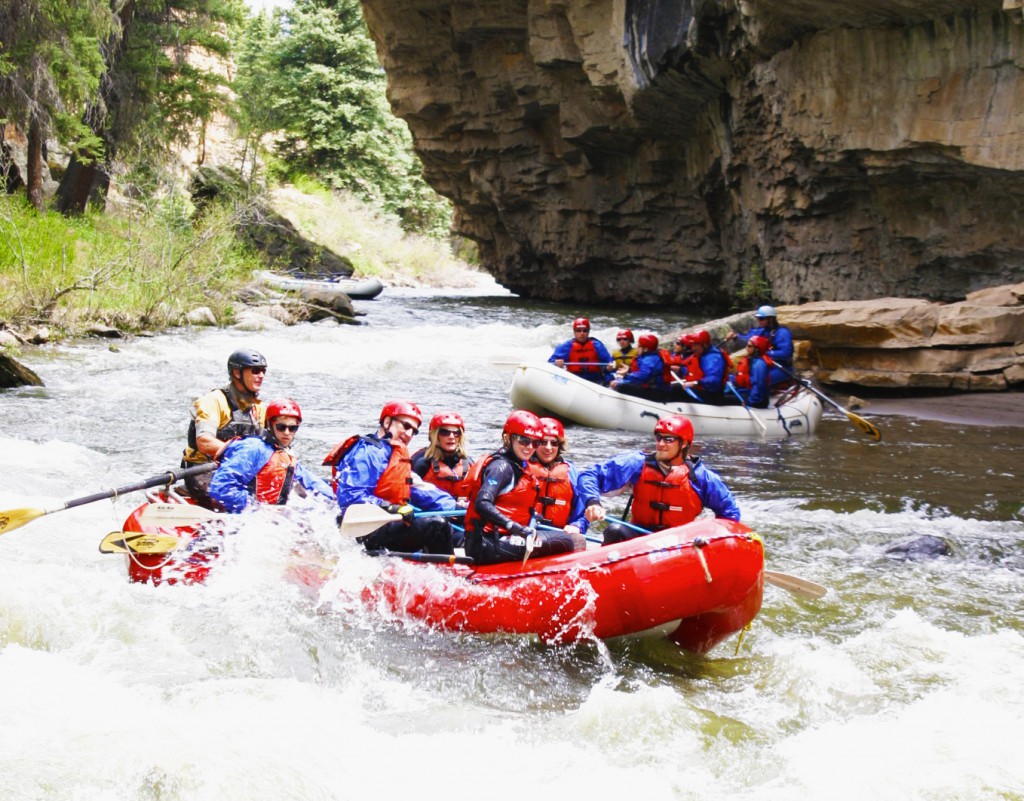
(655, 151)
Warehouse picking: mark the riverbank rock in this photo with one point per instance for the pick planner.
(898, 343)
(14, 374)
(669, 153)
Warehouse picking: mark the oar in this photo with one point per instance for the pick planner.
(138, 542)
(686, 389)
(430, 558)
(516, 361)
(795, 584)
(361, 519)
(174, 515)
(11, 519)
(856, 419)
(754, 417)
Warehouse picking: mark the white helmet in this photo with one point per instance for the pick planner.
(765, 311)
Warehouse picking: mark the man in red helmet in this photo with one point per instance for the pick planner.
(704, 370)
(669, 488)
(780, 344)
(262, 469)
(444, 462)
(583, 355)
(646, 375)
(752, 381)
(502, 496)
(377, 469)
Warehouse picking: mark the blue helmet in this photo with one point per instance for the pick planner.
(766, 311)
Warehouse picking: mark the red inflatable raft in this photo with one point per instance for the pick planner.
(190, 563)
(696, 584)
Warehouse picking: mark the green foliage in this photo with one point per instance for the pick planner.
(754, 289)
(143, 269)
(311, 76)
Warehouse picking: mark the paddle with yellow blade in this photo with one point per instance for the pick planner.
(138, 542)
(856, 419)
(361, 519)
(11, 519)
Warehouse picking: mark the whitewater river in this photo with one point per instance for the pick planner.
(905, 682)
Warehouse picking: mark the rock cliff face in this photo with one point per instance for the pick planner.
(654, 151)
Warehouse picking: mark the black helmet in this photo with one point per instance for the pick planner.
(246, 357)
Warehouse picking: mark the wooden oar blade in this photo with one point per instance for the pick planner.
(11, 519)
(364, 518)
(796, 585)
(865, 426)
(137, 542)
(505, 362)
(173, 515)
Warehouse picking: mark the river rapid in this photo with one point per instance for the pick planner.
(905, 682)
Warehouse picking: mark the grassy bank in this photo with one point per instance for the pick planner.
(145, 265)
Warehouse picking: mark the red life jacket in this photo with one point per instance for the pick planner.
(274, 480)
(451, 479)
(662, 501)
(691, 368)
(743, 370)
(516, 504)
(583, 353)
(669, 360)
(394, 483)
(554, 503)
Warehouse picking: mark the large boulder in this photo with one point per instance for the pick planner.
(14, 374)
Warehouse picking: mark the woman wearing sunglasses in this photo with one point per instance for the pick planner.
(559, 503)
(376, 469)
(262, 469)
(502, 497)
(444, 462)
(669, 488)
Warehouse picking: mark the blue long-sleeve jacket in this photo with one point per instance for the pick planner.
(650, 371)
(241, 461)
(758, 393)
(781, 340)
(712, 364)
(564, 351)
(624, 470)
(361, 468)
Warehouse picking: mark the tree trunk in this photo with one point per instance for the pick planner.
(34, 179)
(81, 184)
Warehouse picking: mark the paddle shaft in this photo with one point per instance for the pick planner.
(754, 417)
(689, 391)
(856, 419)
(164, 478)
(430, 558)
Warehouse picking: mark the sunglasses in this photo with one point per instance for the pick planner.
(526, 442)
(449, 432)
(257, 370)
(666, 438)
(282, 427)
(551, 443)
(408, 426)
(584, 330)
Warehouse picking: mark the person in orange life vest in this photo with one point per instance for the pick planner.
(262, 469)
(502, 497)
(705, 369)
(780, 339)
(376, 469)
(752, 382)
(646, 375)
(576, 354)
(669, 488)
(221, 415)
(444, 462)
(559, 503)
(623, 355)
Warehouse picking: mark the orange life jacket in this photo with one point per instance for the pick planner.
(394, 483)
(554, 503)
(274, 480)
(517, 504)
(662, 501)
(451, 479)
(585, 352)
(691, 368)
(743, 370)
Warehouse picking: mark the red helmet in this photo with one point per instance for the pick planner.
(702, 338)
(550, 427)
(581, 322)
(448, 419)
(677, 426)
(524, 423)
(761, 343)
(283, 408)
(625, 333)
(401, 407)
(648, 341)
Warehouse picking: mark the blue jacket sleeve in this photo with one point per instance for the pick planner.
(650, 370)
(313, 483)
(359, 472)
(713, 492)
(427, 497)
(576, 517)
(561, 352)
(782, 346)
(602, 351)
(240, 462)
(713, 366)
(757, 395)
(610, 476)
